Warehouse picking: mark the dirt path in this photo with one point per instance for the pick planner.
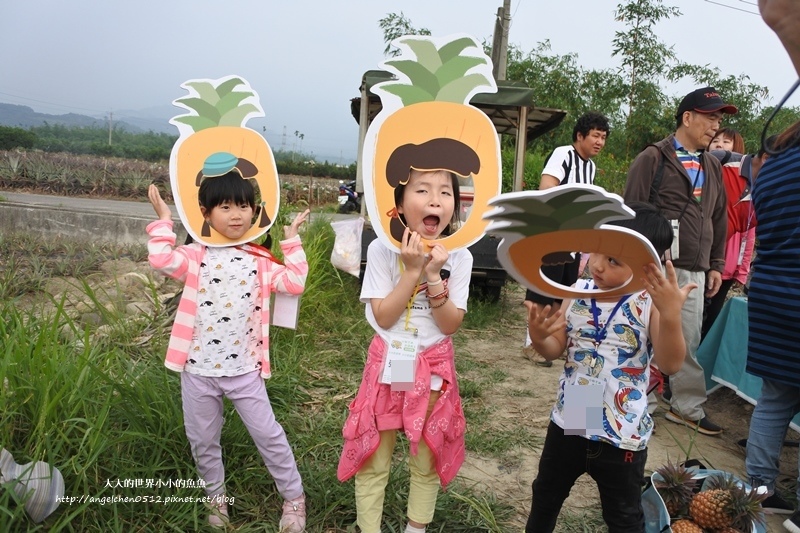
(524, 399)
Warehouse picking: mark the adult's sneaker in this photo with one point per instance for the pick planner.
(775, 504)
(792, 523)
(704, 425)
(535, 357)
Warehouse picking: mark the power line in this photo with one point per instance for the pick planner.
(52, 104)
(515, 10)
(735, 8)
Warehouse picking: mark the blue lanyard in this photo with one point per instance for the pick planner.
(600, 334)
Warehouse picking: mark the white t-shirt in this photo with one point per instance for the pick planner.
(382, 274)
(567, 166)
(227, 329)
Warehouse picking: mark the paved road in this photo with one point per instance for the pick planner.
(139, 209)
(98, 205)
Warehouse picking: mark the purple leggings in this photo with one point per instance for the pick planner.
(202, 417)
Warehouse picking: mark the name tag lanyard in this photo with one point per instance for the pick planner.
(746, 197)
(411, 300)
(401, 355)
(600, 333)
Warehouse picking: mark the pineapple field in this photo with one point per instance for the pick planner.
(65, 174)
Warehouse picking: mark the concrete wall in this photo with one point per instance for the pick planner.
(78, 224)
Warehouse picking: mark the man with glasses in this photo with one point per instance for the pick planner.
(684, 182)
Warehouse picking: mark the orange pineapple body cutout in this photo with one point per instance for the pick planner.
(427, 121)
(219, 110)
(427, 108)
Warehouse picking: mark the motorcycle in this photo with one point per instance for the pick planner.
(349, 200)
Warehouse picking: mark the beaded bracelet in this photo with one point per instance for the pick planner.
(444, 301)
(439, 296)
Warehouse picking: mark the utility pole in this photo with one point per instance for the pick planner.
(283, 139)
(110, 128)
(500, 41)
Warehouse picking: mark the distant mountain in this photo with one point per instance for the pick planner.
(21, 116)
(150, 119)
(154, 119)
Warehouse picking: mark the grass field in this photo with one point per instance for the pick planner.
(94, 399)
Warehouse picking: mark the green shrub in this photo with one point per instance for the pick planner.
(11, 138)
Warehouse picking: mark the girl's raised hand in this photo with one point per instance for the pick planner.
(291, 231)
(412, 251)
(160, 206)
(437, 258)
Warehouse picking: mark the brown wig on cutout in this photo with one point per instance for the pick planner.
(449, 155)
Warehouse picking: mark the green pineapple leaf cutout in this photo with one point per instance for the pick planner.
(438, 74)
(533, 213)
(216, 106)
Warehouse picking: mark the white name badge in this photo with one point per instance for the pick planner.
(401, 361)
(583, 406)
(674, 251)
(285, 310)
(741, 252)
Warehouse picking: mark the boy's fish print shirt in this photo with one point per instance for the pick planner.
(227, 329)
(621, 360)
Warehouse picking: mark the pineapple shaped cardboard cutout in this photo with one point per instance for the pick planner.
(546, 227)
(214, 141)
(427, 124)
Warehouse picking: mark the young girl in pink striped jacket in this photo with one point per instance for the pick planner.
(220, 338)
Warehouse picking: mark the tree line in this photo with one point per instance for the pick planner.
(632, 96)
(150, 146)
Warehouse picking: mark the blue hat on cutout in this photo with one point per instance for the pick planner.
(219, 164)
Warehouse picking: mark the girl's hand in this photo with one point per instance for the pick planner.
(437, 258)
(291, 231)
(542, 326)
(160, 206)
(412, 251)
(667, 296)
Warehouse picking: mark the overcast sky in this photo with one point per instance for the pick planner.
(305, 58)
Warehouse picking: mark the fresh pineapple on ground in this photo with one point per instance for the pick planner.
(685, 526)
(676, 487)
(726, 504)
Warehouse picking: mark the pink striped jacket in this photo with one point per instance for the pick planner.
(183, 263)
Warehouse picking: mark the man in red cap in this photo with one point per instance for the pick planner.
(684, 182)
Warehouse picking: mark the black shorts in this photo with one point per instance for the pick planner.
(565, 274)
